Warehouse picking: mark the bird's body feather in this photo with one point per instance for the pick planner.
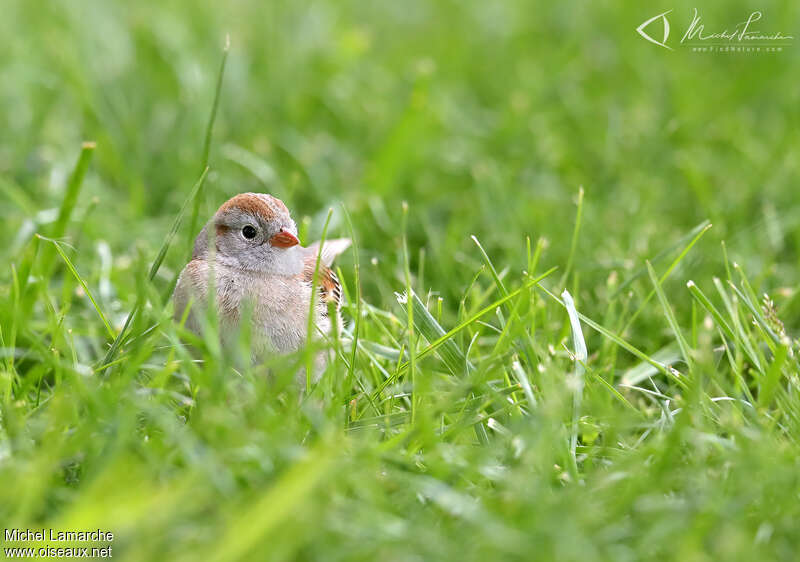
(270, 285)
(278, 305)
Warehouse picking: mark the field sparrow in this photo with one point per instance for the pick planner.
(250, 245)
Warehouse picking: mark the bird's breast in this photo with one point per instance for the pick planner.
(279, 309)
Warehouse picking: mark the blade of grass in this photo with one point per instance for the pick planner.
(73, 190)
(433, 346)
(109, 357)
(744, 296)
(667, 273)
(692, 236)
(664, 369)
(357, 280)
(614, 392)
(431, 330)
(770, 383)
(523, 346)
(701, 298)
(673, 323)
(524, 382)
(573, 246)
(490, 265)
(207, 143)
(577, 379)
(724, 326)
(312, 316)
(80, 280)
(742, 339)
(412, 348)
(59, 228)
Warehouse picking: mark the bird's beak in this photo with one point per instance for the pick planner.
(284, 239)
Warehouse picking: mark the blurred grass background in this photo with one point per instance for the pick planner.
(486, 118)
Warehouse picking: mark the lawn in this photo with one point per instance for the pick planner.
(572, 300)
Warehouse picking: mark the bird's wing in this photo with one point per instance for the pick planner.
(328, 285)
(330, 249)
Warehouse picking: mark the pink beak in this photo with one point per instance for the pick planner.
(284, 239)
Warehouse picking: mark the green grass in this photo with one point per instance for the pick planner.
(485, 157)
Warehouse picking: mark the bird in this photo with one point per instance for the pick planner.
(250, 253)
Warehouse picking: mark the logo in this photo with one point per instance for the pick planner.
(741, 37)
(663, 18)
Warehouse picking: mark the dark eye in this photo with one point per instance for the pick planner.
(249, 232)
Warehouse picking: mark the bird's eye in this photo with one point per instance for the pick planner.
(249, 232)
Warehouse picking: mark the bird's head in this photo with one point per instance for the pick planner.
(253, 232)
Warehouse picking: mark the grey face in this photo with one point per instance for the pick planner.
(243, 238)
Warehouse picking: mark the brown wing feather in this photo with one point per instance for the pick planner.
(328, 285)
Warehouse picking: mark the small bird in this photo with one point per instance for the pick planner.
(250, 246)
